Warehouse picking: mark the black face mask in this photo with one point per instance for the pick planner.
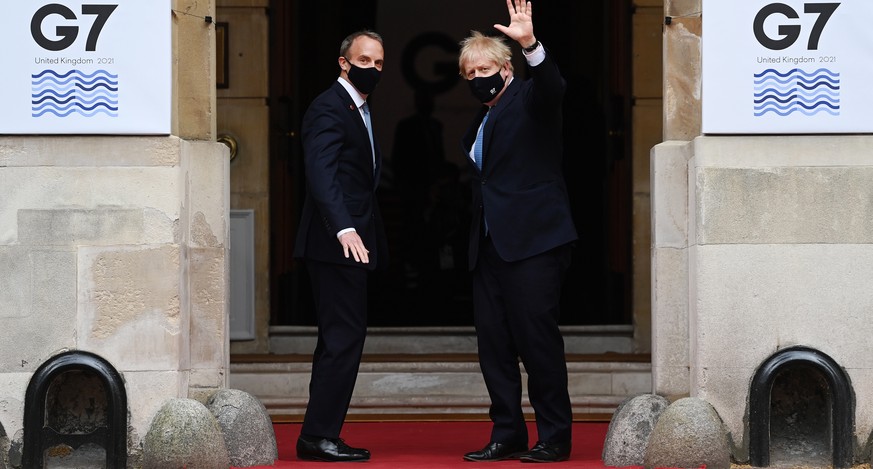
(364, 79)
(487, 88)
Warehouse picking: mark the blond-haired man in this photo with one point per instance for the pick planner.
(520, 242)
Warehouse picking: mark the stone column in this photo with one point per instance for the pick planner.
(682, 69)
(669, 173)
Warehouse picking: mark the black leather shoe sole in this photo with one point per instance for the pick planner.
(496, 452)
(510, 456)
(327, 450)
(307, 457)
(543, 453)
(535, 459)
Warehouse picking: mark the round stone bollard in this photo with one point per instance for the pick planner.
(184, 434)
(4, 448)
(630, 428)
(248, 431)
(689, 434)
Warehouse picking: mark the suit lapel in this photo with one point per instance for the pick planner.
(494, 117)
(355, 115)
(378, 169)
(468, 138)
(349, 105)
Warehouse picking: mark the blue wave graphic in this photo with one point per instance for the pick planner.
(792, 105)
(75, 105)
(822, 79)
(807, 93)
(71, 72)
(833, 94)
(58, 95)
(802, 111)
(56, 81)
(795, 71)
(74, 92)
(67, 113)
(71, 98)
(788, 99)
(97, 85)
(765, 91)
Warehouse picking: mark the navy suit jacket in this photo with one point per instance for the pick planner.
(341, 182)
(521, 189)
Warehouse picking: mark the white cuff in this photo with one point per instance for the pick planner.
(342, 232)
(537, 56)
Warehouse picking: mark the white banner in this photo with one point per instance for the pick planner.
(787, 67)
(85, 67)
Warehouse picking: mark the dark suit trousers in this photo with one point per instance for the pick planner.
(340, 294)
(516, 315)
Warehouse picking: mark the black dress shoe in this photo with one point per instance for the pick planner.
(328, 449)
(496, 452)
(547, 452)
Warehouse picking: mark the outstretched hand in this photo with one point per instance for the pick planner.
(520, 27)
(352, 244)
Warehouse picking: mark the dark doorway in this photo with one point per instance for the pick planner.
(800, 421)
(430, 287)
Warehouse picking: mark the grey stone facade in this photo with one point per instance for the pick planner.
(760, 243)
(115, 246)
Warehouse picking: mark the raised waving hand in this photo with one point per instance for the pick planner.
(520, 27)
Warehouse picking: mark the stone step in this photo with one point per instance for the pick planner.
(438, 386)
(589, 340)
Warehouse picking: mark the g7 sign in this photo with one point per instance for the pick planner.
(87, 67)
(791, 32)
(786, 67)
(68, 34)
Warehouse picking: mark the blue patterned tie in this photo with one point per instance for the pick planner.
(477, 146)
(366, 110)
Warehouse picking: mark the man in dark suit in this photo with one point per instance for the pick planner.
(341, 239)
(520, 239)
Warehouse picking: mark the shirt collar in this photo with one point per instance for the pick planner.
(356, 97)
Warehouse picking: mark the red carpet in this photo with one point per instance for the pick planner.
(435, 445)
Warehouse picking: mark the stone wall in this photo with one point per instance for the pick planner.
(761, 243)
(682, 69)
(670, 269)
(116, 246)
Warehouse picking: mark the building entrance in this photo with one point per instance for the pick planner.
(420, 111)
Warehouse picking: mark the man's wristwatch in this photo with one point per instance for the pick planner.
(531, 48)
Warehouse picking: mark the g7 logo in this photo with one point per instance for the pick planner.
(68, 34)
(791, 32)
